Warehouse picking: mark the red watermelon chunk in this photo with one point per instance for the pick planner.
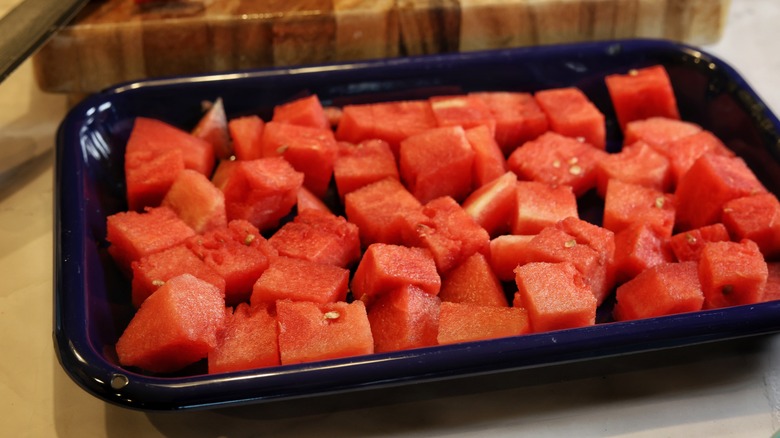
(311, 151)
(473, 281)
(687, 245)
(387, 267)
(639, 247)
(310, 332)
(518, 118)
(261, 191)
(557, 160)
(571, 114)
(641, 94)
(665, 289)
(320, 237)
(683, 152)
(447, 231)
(636, 164)
(248, 341)
(362, 164)
(756, 218)
(247, 135)
(378, 210)
(732, 273)
(196, 200)
(238, 253)
(436, 163)
(406, 317)
(175, 327)
(213, 127)
(489, 162)
(555, 296)
(305, 111)
(134, 235)
(153, 270)
(540, 205)
(464, 322)
(392, 122)
(506, 253)
(626, 204)
(492, 204)
(658, 132)
(466, 111)
(300, 280)
(772, 288)
(711, 182)
(148, 176)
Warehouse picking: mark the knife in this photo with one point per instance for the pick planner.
(28, 25)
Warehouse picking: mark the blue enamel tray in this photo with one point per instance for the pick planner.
(91, 299)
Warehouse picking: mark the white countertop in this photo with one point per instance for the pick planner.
(722, 390)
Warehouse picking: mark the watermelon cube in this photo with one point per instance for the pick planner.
(555, 296)
(664, 289)
(687, 245)
(320, 237)
(557, 160)
(772, 288)
(447, 231)
(248, 341)
(641, 94)
(304, 111)
(683, 152)
(261, 191)
(378, 210)
(362, 164)
(387, 267)
(518, 118)
(311, 332)
(213, 127)
(197, 201)
(467, 111)
(541, 205)
(489, 161)
(732, 273)
(711, 182)
(310, 151)
(306, 200)
(238, 253)
(436, 163)
(658, 132)
(637, 163)
(300, 280)
(134, 235)
(176, 326)
(392, 122)
(756, 218)
(626, 204)
(153, 270)
(473, 281)
(247, 135)
(464, 322)
(638, 247)
(571, 113)
(406, 317)
(492, 204)
(507, 252)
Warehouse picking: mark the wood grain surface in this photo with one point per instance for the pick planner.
(116, 40)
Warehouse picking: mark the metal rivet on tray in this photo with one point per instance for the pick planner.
(119, 381)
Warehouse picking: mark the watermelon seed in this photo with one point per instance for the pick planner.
(331, 315)
(575, 170)
(727, 289)
(282, 149)
(556, 164)
(690, 238)
(659, 202)
(570, 243)
(157, 283)
(633, 72)
(248, 239)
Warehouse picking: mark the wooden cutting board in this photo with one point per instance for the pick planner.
(116, 40)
